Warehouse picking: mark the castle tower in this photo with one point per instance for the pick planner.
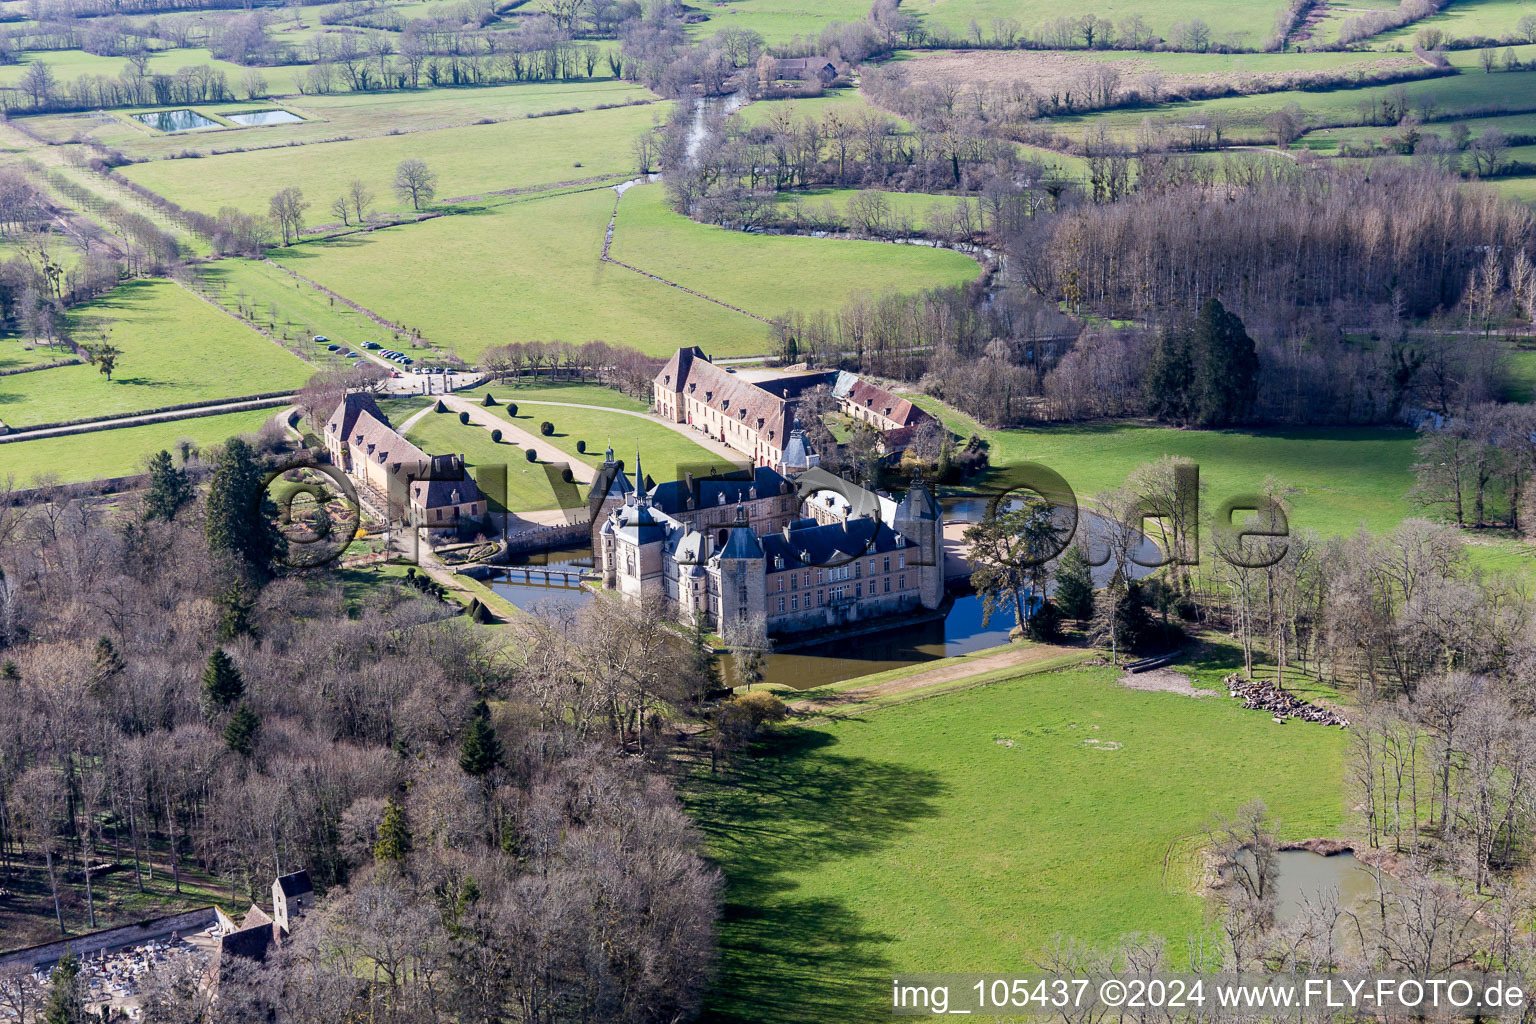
(919, 519)
(799, 456)
(743, 574)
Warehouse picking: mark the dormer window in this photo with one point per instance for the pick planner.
(721, 496)
(759, 423)
(693, 387)
(726, 404)
(666, 379)
(752, 492)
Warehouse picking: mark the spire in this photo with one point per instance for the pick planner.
(644, 498)
(608, 455)
(741, 513)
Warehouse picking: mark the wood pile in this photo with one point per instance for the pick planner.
(1257, 695)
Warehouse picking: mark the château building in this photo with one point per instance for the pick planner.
(757, 418)
(737, 549)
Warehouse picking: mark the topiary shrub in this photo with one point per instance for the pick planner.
(496, 437)
(532, 455)
(488, 399)
(439, 406)
(565, 474)
(511, 408)
(547, 428)
(581, 447)
(464, 418)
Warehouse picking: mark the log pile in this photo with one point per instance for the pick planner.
(1258, 695)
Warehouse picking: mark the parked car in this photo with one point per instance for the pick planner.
(332, 348)
(321, 339)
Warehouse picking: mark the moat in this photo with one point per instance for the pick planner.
(954, 629)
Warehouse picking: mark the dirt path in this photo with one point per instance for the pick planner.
(1019, 656)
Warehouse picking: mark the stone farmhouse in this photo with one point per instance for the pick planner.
(757, 418)
(735, 550)
(433, 491)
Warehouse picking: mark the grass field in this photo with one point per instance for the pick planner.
(781, 20)
(662, 450)
(175, 349)
(121, 452)
(767, 275)
(916, 205)
(526, 390)
(67, 65)
(291, 308)
(1494, 18)
(1470, 90)
(469, 161)
(346, 114)
(917, 839)
(524, 271)
(528, 487)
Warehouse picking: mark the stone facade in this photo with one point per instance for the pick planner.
(769, 560)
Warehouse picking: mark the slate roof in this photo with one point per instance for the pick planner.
(671, 496)
(919, 504)
(295, 884)
(833, 544)
(642, 524)
(797, 453)
(742, 543)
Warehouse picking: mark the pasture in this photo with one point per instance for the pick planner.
(768, 275)
(1497, 19)
(963, 831)
(779, 21)
(529, 270)
(120, 452)
(469, 161)
(175, 349)
(353, 115)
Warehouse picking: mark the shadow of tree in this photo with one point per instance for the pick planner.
(792, 804)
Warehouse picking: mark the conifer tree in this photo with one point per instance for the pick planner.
(64, 1005)
(480, 752)
(394, 843)
(169, 488)
(241, 730)
(1074, 584)
(242, 520)
(1226, 367)
(222, 683)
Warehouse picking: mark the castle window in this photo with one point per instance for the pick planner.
(794, 604)
(871, 566)
(781, 584)
(887, 563)
(818, 577)
(781, 604)
(887, 584)
(901, 561)
(858, 590)
(858, 571)
(901, 582)
(794, 582)
(807, 579)
(820, 597)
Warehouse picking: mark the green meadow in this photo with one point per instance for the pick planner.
(175, 349)
(524, 271)
(469, 161)
(781, 20)
(120, 452)
(768, 274)
(962, 832)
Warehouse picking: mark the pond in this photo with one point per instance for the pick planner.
(1306, 876)
(175, 120)
(533, 592)
(250, 118)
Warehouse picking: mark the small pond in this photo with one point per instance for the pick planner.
(258, 117)
(532, 591)
(175, 120)
(1310, 876)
